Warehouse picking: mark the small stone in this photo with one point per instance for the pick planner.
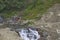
(59, 14)
(51, 13)
(58, 31)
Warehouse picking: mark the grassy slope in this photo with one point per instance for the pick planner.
(35, 8)
(38, 8)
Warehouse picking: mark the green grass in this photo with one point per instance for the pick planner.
(9, 14)
(35, 8)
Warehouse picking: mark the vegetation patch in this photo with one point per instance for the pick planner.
(31, 9)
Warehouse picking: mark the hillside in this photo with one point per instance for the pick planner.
(31, 8)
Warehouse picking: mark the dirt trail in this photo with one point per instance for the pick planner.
(6, 34)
